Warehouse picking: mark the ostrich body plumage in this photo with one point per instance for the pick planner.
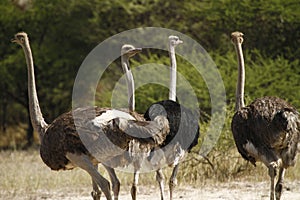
(105, 142)
(271, 126)
(184, 127)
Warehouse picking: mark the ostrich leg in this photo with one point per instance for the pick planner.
(84, 163)
(134, 185)
(160, 179)
(114, 180)
(173, 180)
(279, 184)
(96, 193)
(272, 174)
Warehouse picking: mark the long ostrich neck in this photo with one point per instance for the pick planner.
(172, 90)
(239, 95)
(36, 116)
(130, 82)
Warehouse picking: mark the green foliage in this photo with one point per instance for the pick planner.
(63, 32)
(264, 76)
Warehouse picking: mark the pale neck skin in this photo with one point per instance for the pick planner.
(36, 116)
(172, 91)
(129, 81)
(239, 96)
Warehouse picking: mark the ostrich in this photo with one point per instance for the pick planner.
(183, 125)
(267, 130)
(61, 147)
(131, 108)
(138, 158)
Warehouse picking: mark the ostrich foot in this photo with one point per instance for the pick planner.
(278, 190)
(96, 195)
(279, 184)
(133, 192)
(172, 185)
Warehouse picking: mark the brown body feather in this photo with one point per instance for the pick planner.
(62, 137)
(272, 126)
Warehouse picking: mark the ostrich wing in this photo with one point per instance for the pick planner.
(240, 130)
(146, 132)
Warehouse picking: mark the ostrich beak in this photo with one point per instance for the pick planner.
(180, 41)
(132, 52)
(137, 50)
(13, 40)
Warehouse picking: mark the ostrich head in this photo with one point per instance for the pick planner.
(237, 37)
(129, 50)
(20, 38)
(174, 40)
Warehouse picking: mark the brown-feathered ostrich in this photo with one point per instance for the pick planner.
(184, 127)
(137, 163)
(139, 158)
(267, 130)
(61, 146)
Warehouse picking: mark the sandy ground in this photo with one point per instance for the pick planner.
(224, 191)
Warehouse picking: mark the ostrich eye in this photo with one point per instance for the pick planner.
(21, 39)
(241, 39)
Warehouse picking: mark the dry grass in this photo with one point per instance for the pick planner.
(23, 172)
(24, 175)
(225, 167)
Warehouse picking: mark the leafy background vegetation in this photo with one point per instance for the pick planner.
(63, 32)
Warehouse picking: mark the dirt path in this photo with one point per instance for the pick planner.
(224, 191)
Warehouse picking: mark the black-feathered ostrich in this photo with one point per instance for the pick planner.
(267, 130)
(61, 146)
(184, 126)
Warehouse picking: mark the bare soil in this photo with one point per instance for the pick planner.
(23, 176)
(223, 191)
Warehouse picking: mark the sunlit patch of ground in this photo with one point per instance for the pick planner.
(24, 176)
